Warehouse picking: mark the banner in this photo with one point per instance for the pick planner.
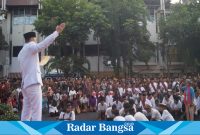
(99, 128)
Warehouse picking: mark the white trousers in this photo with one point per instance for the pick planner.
(32, 103)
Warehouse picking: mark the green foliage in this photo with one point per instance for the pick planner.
(3, 43)
(125, 32)
(53, 63)
(80, 16)
(68, 65)
(182, 28)
(110, 19)
(6, 113)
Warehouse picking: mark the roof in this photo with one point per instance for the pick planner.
(21, 2)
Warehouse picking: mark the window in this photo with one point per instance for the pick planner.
(91, 50)
(27, 12)
(16, 50)
(21, 12)
(15, 12)
(34, 11)
(24, 16)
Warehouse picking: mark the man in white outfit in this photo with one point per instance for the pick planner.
(31, 74)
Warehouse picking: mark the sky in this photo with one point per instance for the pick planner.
(174, 1)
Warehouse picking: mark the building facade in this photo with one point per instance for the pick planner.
(21, 14)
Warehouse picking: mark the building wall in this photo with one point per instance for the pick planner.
(20, 2)
(21, 23)
(5, 24)
(4, 63)
(16, 38)
(4, 55)
(94, 64)
(91, 40)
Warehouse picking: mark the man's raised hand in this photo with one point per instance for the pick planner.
(60, 28)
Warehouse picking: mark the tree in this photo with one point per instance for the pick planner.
(53, 63)
(80, 16)
(7, 114)
(70, 66)
(3, 43)
(182, 28)
(125, 34)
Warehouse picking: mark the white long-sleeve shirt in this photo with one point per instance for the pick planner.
(177, 106)
(53, 109)
(102, 107)
(140, 117)
(121, 91)
(118, 104)
(163, 86)
(29, 60)
(109, 113)
(197, 103)
(84, 100)
(152, 88)
(109, 100)
(67, 116)
(166, 116)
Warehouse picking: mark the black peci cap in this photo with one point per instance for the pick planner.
(29, 35)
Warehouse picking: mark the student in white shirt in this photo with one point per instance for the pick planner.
(111, 112)
(141, 88)
(153, 86)
(163, 85)
(129, 118)
(121, 90)
(84, 103)
(118, 103)
(68, 115)
(119, 118)
(143, 99)
(72, 92)
(53, 110)
(166, 100)
(166, 115)
(129, 89)
(176, 107)
(152, 113)
(56, 97)
(109, 99)
(125, 109)
(102, 106)
(140, 117)
(152, 100)
(175, 84)
(197, 104)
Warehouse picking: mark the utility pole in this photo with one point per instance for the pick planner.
(98, 49)
(162, 8)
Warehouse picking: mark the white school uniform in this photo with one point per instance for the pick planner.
(166, 116)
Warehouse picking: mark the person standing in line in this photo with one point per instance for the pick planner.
(189, 97)
(31, 74)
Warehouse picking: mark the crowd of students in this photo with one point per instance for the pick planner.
(138, 98)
